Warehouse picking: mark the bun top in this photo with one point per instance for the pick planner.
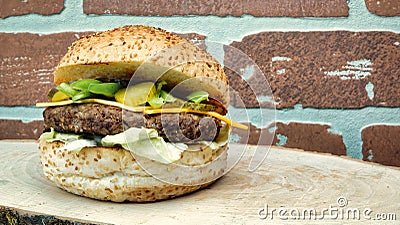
(144, 53)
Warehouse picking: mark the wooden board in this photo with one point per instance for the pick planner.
(287, 179)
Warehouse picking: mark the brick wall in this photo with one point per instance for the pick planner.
(332, 66)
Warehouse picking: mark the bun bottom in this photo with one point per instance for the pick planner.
(113, 174)
(128, 193)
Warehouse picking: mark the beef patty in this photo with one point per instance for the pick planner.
(98, 119)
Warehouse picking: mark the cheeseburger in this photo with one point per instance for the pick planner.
(137, 114)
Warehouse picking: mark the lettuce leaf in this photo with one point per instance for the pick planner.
(198, 96)
(78, 145)
(53, 135)
(161, 97)
(120, 138)
(48, 136)
(73, 142)
(139, 141)
(146, 143)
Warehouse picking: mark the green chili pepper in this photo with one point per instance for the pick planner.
(67, 89)
(156, 102)
(106, 89)
(167, 96)
(81, 95)
(84, 84)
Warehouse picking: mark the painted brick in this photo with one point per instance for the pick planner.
(381, 144)
(309, 137)
(18, 7)
(27, 62)
(293, 8)
(384, 7)
(337, 69)
(16, 129)
(253, 136)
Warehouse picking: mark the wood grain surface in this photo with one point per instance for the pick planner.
(287, 179)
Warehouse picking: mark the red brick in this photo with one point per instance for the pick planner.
(253, 136)
(296, 8)
(311, 56)
(293, 8)
(195, 38)
(163, 8)
(309, 137)
(27, 62)
(381, 144)
(384, 7)
(16, 129)
(18, 7)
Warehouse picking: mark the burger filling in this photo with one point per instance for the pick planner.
(142, 118)
(99, 119)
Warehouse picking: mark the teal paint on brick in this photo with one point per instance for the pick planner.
(247, 72)
(370, 90)
(358, 69)
(371, 155)
(282, 139)
(280, 58)
(234, 138)
(24, 113)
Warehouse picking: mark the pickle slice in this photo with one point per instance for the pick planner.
(56, 95)
(195, 106)
(199, 106)
(137, 94)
